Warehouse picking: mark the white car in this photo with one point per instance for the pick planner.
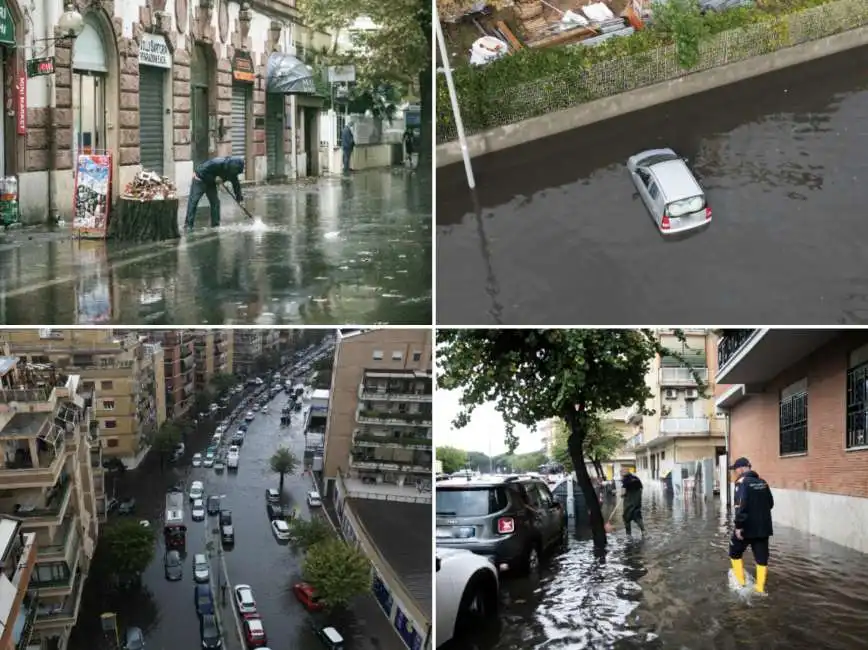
(249, 416)
(280, 529)
(244, 600)
(214, 407)
(265, 409)
(220, 429)
(197, 490)
(198, 510)
(467, 593)
(209, 461)
(314, 500)
(201, 569)
(234, 449)
(256, 407)
(197, 460)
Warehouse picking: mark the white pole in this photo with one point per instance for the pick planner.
(453, 98)
(293, 122)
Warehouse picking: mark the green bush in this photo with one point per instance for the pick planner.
(487, 94)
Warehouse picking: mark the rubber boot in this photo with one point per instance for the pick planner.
(738, 571)
(761, 575)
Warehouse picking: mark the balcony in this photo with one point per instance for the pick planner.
(61, 613)
(27, 616)
(393, 418)
(755, 357)
(23, 474)
(373, 465)
(30, 400)
(374, 394)
(684, 426)
(683, 376)
(62, 580)
(66, 545)
(633, 414)
(38, 509)
(367, 440)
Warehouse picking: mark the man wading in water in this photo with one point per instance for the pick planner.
(632, 496)
(753, 523)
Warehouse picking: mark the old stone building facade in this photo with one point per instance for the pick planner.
(161, 85)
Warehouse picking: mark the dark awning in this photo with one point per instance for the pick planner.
(286, 75)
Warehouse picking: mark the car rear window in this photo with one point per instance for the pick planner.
(470, 502)
(686, 206)
(656, 158)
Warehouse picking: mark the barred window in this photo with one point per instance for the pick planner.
(857, 407)
(793, 419)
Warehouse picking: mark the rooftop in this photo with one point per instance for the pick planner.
(407, 548)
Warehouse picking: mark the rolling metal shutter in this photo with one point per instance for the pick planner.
(239, 120)
(151, 111)
(274, 133)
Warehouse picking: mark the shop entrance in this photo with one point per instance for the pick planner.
(89, 71)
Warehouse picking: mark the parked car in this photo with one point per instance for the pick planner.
(669, 190)
(219, 465)
(467, 593)
(313, 499)
(254, 631)
(173, 566)
(274, 511)
(203, 599)
(227, 534)
(135, 639)
(127, 506)
(225, 517)
(272, 495)
(513, 519)
(244, 600)
(213, 505)
(330, 638)
(249, 416)
(201, 568)
(281, 530)
(197, 460)
(198, 510)
(209, 632)
(197, 490)
(306, 595)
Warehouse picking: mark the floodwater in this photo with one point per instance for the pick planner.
(165, 611)
(670, 590)
(354, 249)
(558, 235)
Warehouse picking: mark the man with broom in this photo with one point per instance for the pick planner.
(631, 497)
(205, 180)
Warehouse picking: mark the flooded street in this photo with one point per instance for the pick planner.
(331, 250)
(670, 591)
(562, 236)
(165, 609)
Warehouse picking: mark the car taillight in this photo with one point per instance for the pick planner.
(707, 213)
(505, 525)
(664, 223)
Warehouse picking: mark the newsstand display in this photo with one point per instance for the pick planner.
(9, 212)
(147, 210)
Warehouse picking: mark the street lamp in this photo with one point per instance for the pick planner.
(71, 22)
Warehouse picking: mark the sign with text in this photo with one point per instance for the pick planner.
(7, 25)
(21, 116)
(242, 67)
(40, 67)
(342, 74)
(154, 51)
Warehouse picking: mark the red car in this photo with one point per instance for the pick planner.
(306, 595)
(254, 631)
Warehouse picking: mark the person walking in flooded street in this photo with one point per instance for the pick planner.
(632, 495)
(205, 180)
(348, 143)
(753, 523)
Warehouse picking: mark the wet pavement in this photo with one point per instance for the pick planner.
(165, 611)
(353, 249)
(670, 590)
(561, 237)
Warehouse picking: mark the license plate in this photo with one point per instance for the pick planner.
(444, 532)
(675, 221)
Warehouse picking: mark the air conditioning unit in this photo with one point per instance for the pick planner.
(691, 393)
(670, 393)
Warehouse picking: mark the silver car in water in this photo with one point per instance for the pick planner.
(669, 191)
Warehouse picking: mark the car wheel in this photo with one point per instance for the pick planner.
(478, 606)
(532, 559)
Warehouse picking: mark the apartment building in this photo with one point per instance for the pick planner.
(17, 606)
(686, 428)
(625, 457)
(249, 346)
(798, 410)
(121, 374)
(179, 368)
(213, 355)
(379, 410)
(48, 484)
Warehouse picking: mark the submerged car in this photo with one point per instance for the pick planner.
(669, 190)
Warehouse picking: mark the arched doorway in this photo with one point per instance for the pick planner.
(90, 69)
(202, 102)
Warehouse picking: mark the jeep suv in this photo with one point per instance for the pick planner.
(512, 520)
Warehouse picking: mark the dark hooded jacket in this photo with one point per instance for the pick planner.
(227, 168)
(348, 142)
(632, 485)
(753, 506)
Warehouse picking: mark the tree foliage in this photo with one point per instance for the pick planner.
(202, 402)
(308, 533)
(222, 382)
(453, 459)
(167, 437)
(338, 572)
(683, 23)
(283, 462)
(532, 375)
(126, 550)
(602, 442)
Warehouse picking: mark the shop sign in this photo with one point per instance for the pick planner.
(154, 51)
(40, 67)
(242, 67)
(21, 117)
(7, 25)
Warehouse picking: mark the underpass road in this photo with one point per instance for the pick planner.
(557, 235)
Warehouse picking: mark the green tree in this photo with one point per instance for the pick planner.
(683, 22)
(222, 382)
(602, 442)
(167, 438)
(453, 459)
(323, 368)
(264, 363)
(528, 462)
(533, 375)
(202, 402)
(308, 533)
(283, 462)
(126, 549)
(337, 571)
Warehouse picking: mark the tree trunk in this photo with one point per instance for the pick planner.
(575, 445)
(425, 98)
(598, 467)
(282, 475)
(137, 220)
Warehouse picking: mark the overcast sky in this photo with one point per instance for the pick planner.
(484, 432)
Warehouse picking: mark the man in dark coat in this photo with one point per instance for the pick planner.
(753, 522)
(348, 143)
(205, 180)
(632, 495)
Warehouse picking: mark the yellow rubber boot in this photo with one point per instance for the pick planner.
(738, 570)
(761, 575)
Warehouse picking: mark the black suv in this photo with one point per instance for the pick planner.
(511, 519)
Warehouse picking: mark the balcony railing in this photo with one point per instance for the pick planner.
(684, 426)
(51, 615)
(29, 606)
(369, 393)
(405, 442)
(682, 376)
(390, 465)
(731, 343)
(44, 476)
(53, 510)
(26, 395)
(64, 550)
(394, 417)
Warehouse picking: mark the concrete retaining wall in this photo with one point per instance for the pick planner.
(512, 135)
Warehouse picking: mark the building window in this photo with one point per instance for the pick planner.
(417, 356)
(109, 424)
(378, 355)
(793, 419)
(108, 405)
(111, 442)
(857, 407)
(106, 385)
(397, 355)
